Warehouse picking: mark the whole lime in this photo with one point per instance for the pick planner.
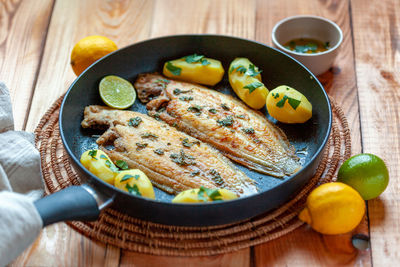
(366, 173)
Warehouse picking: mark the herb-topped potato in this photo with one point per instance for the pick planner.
(203, 194)
(195, 68)
(245, 79)
(135, 182)
(98, 163)
(288, 105)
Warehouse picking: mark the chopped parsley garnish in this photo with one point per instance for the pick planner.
(194, 173)
(212, 110)
(326, 45)
(240, 116)
(186, 98)
(150, 136)
(276, 95)
(183, 159)
(156, 116)
(248, 130)
(173, 69)
(111, 166)
(162, 82)
(196, 109)
(197, 58)
(305, 48)
(252, 71)
(128, 176)
(133, 189)
(216, 177)
(178, 91)
(294, 103)
(205, 193)
(186, 142)
(122, 164)
(134, 122)
(224, 106)
(228, 121)
(159, 151)
(140, 146)
(103, 157)
(253, 86)
(239, 68)
(93, 153)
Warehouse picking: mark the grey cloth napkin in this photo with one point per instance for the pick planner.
(20, 183)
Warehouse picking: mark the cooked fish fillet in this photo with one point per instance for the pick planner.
(173, 160)
(242, 134)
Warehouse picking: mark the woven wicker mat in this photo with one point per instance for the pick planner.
(133, 234)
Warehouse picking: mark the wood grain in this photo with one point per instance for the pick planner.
(236, 259)
(23, 28)
(377, 45)
(124, 22)
(306, 247)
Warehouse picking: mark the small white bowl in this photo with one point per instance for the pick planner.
(313, 27)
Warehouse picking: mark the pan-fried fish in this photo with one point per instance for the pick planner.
(242, 134)
(173, 160)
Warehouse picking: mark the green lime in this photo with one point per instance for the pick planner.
(366, 173)
(117, 92)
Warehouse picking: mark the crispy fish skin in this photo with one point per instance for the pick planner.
(242, 134)
(173, 160)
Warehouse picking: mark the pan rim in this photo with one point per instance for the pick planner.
(196, 205)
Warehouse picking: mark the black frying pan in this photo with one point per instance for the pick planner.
(84, 202)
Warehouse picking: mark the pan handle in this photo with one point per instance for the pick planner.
(79, 203)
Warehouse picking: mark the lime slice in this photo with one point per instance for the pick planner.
(117, 92)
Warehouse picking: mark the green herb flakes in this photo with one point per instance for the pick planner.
(186, 142)
(216, 177)
(140, 146)
(186, 98)
(239, 68)
(240, 116)
(294, 103)
(93, 153)
(197, 58)
(253, 71)
(126, 177)
(248, 130)
(183, 159)
(195, 173)
(228, 121)
(133, 189)
(253, 86)
(159, 151)
(212, 110)
(122, 164)
(134, 122)
(178, 91)
(196, 109)
(150, 136)
(173, 69)
(205, 193)
(224, 106)
(103, 157)
(276, 95)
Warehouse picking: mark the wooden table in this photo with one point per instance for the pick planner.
(36, 39)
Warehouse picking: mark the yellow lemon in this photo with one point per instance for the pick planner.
(88, 50)
(333, 208)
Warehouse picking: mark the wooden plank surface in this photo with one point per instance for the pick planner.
(23, 28)
(305, 247)
(377, 51)
(125, 22)
(375, 28)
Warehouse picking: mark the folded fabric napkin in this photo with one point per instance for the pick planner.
(20, 183)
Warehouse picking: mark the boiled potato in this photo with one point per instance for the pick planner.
(203, 194)
(135, 182)
(245, 80)
(288, 105)
(98, 163)
(196, 69)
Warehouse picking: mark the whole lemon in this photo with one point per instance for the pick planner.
(88, 50)
(366, 173)
(333, 208)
